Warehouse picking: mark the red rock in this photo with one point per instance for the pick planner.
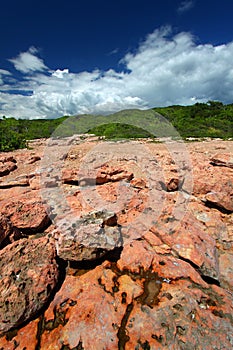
(167, 266)
(26, 212)
(34, 181)
(33, 159)
(26, 338)
(23, 180)
(188, 239)
(70, 176)
(7, 230)
(7, 158)
(108, 173)
(226, 269)
(184, 318)
(173, 184)
(136, 255)
(138, 183)
(82, 308)
(214, 183)
(6, 168)
(222, 159)
(29, 273)
(171, 268)
(157, 294)
(222, 198)
(105, 174)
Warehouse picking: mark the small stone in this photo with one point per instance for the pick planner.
(173, 185)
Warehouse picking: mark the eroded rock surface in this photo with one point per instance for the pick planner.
(29, 274)
(6, 167)
(7, 231)
(26, 212)
(222, 159)
(142, 238)
(87, 238)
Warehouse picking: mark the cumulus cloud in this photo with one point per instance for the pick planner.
(185, 6)
(28, 62)
(165, 69)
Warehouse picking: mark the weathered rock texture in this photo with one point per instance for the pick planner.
(89, 237)
(28, 275)
(7, 164)
(116, 246)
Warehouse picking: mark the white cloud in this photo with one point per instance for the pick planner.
(28, 62)
(185, 6)
(113, 52)
(3, 73)
(166, 69)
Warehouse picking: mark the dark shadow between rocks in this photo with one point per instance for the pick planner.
(210, 280)
(32, 231)
(212, 205)
(112, 256)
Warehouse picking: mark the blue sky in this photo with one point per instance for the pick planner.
(74, 57)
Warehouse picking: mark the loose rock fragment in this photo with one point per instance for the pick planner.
(89, 237)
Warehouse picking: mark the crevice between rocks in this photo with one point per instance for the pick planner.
(212, 205)
(7, 186)
(207, 279)
(112, 256)
(33, 231)
(210, 280)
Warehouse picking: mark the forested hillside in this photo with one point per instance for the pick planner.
(212, 119)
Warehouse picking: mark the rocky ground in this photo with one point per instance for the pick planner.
(125, 245)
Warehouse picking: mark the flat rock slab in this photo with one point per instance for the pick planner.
(28, 275)
(26, 211)
(222, 159)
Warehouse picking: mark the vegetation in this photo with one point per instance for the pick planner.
(119, 131)
(212, 119)
(201, 120)
(14, 133)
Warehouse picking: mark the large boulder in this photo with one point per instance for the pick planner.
(28, 275)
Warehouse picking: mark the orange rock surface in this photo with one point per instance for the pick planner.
(154, 274)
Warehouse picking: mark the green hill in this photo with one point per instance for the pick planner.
(212, 119)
